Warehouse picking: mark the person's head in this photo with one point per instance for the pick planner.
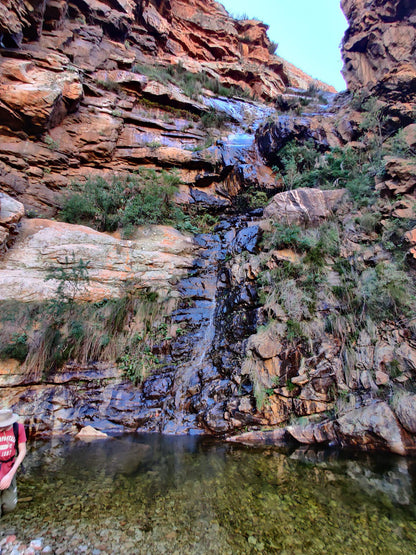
(7, 419)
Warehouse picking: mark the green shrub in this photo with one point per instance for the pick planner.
(294, 331)
(302, 165)
(387, 292)
(397, 146)
(191, 84)
(17, 348)
(213, 119)
(145, 197)
(108, 84)
(273, 46)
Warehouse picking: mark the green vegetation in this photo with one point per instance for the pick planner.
(123, 202)
(108, 85)
(304, 166)
(191, 84)
(214, 119)
(272, 48)
(51, 143)
(114, 330)
(251, 199)
(72, 278)
(354, 292)
(145, 197)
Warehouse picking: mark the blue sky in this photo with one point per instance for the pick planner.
(308, 32)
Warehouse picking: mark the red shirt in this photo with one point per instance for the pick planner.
(7, 448)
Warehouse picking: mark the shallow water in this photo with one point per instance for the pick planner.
(158, 494)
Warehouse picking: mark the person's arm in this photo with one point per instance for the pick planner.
(7, 479)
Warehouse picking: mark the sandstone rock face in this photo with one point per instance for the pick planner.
(156, 256)
(75, 102)
(107, 402)
(35, 97)
(378, 47)
(400, 176)
(19, 19)
(11, 212)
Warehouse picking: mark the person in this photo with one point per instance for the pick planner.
(9, 459)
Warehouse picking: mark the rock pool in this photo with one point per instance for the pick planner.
(155, 494)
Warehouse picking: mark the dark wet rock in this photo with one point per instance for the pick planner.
(214, 420)
(157, 387)
(208, 200)
(272, 137)
(246, 239)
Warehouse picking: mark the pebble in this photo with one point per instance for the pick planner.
(36, 544)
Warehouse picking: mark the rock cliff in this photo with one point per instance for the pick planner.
(379, 45)
(267, 305)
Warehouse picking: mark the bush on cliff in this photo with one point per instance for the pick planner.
(190, 83)
(145, 197)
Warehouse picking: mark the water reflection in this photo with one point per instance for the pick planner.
(156, 494)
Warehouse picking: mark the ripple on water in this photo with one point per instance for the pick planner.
(155, 494)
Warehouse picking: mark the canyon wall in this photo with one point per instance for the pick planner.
(216, 327)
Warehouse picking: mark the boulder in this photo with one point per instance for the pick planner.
(303, 206)
(405, 410)
(270, 437)
(371, 427)
(90, 433)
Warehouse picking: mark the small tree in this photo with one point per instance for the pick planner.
(72, 278)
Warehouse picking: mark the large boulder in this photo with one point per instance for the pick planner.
(303, 206)
(371, 427)
(405, 410)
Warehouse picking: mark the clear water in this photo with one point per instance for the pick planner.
(154, 494)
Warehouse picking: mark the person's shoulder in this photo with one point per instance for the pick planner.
(22, 432)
